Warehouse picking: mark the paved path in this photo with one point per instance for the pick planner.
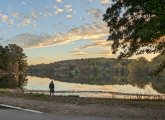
(8, 114)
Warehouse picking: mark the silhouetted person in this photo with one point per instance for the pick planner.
(51, 87)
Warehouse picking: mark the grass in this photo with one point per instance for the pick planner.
(39, 95)
(74, 96)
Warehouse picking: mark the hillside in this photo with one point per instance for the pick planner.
(85, 67)
(94, 66)
(98, 66)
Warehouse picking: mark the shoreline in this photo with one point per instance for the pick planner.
(88, 94)
(102, 94)
(78, 106)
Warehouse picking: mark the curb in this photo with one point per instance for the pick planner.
(18, 108)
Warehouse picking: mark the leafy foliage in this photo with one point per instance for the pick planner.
(136, 26)
(12, 81)
(12, 59)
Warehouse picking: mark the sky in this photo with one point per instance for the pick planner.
(54, 30)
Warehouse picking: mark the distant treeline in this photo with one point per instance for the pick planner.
(81, 66)
(95, 66)
(12, 59)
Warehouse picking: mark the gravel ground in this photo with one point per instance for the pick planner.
(126, 109)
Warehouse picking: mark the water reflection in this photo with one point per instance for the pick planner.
(90, 86)
(12, 81)
(36, 83)
(135, 80)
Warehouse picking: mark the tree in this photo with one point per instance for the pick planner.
(7, 59)
(136, 26)
(138, 66)
(12, 59)
(19, 58)
(1, 58)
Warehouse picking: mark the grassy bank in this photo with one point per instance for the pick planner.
(71, 99)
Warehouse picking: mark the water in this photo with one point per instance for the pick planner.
(91, 86)
(87, 90)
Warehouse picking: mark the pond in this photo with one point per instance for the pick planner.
(87, 86)
(88, 90)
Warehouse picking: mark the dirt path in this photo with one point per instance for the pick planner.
(148, 110)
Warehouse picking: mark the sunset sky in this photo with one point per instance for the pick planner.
(54, 30)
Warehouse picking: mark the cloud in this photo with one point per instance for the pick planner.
(6, 19)
(100, 44)
(80, 53)
(34, 15)
(97, 43)
(104, 2)
(19, 19)
(25, 22)
(23, 2)
(58, 10)
(69, 16)
(68, 8)
(59, 1)
(103, 46)
(91, 32)
(26, 40)
(16, 14)
(96, 13)
(87, 50)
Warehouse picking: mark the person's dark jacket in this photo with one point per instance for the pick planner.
(51, 86)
